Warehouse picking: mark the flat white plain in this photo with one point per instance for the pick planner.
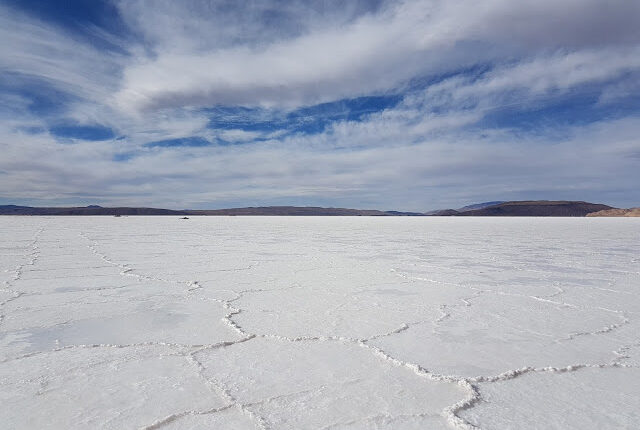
(319, 323)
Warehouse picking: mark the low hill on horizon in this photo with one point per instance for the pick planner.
(255, 211)
(535, 208)
(85, 210)
(300, 211)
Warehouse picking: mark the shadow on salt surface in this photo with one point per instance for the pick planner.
(120, 330)
(63, 273)
(313, 384)
(78, 283)
(101, 387)
(184, 321)
(588, 398)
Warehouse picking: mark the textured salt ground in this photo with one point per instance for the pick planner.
(583, 395)
(334, 323)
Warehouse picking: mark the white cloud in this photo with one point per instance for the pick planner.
(195, 63)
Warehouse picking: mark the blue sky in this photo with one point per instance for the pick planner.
(407, 105)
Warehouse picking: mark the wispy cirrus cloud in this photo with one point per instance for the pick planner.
(34, 52)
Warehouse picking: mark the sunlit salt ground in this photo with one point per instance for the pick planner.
(319, 323)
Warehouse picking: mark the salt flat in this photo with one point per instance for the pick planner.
(319, 323)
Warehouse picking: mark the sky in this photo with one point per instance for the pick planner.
(395, 105)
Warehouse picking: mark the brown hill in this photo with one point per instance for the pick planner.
(538, 208)
(633, 212)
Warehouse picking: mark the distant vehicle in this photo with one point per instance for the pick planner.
(185, 217)
(117, 215)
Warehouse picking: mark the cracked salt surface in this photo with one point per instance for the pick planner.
(319, 323)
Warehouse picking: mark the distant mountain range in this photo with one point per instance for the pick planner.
(264, 211)
(495, 208)
(86, 210)
(300, 211)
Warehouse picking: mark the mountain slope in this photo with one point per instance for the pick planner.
(538, 208)
(479, 206)
(633, 212)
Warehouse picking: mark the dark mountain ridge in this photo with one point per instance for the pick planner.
(85, 210)
(535, 208)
